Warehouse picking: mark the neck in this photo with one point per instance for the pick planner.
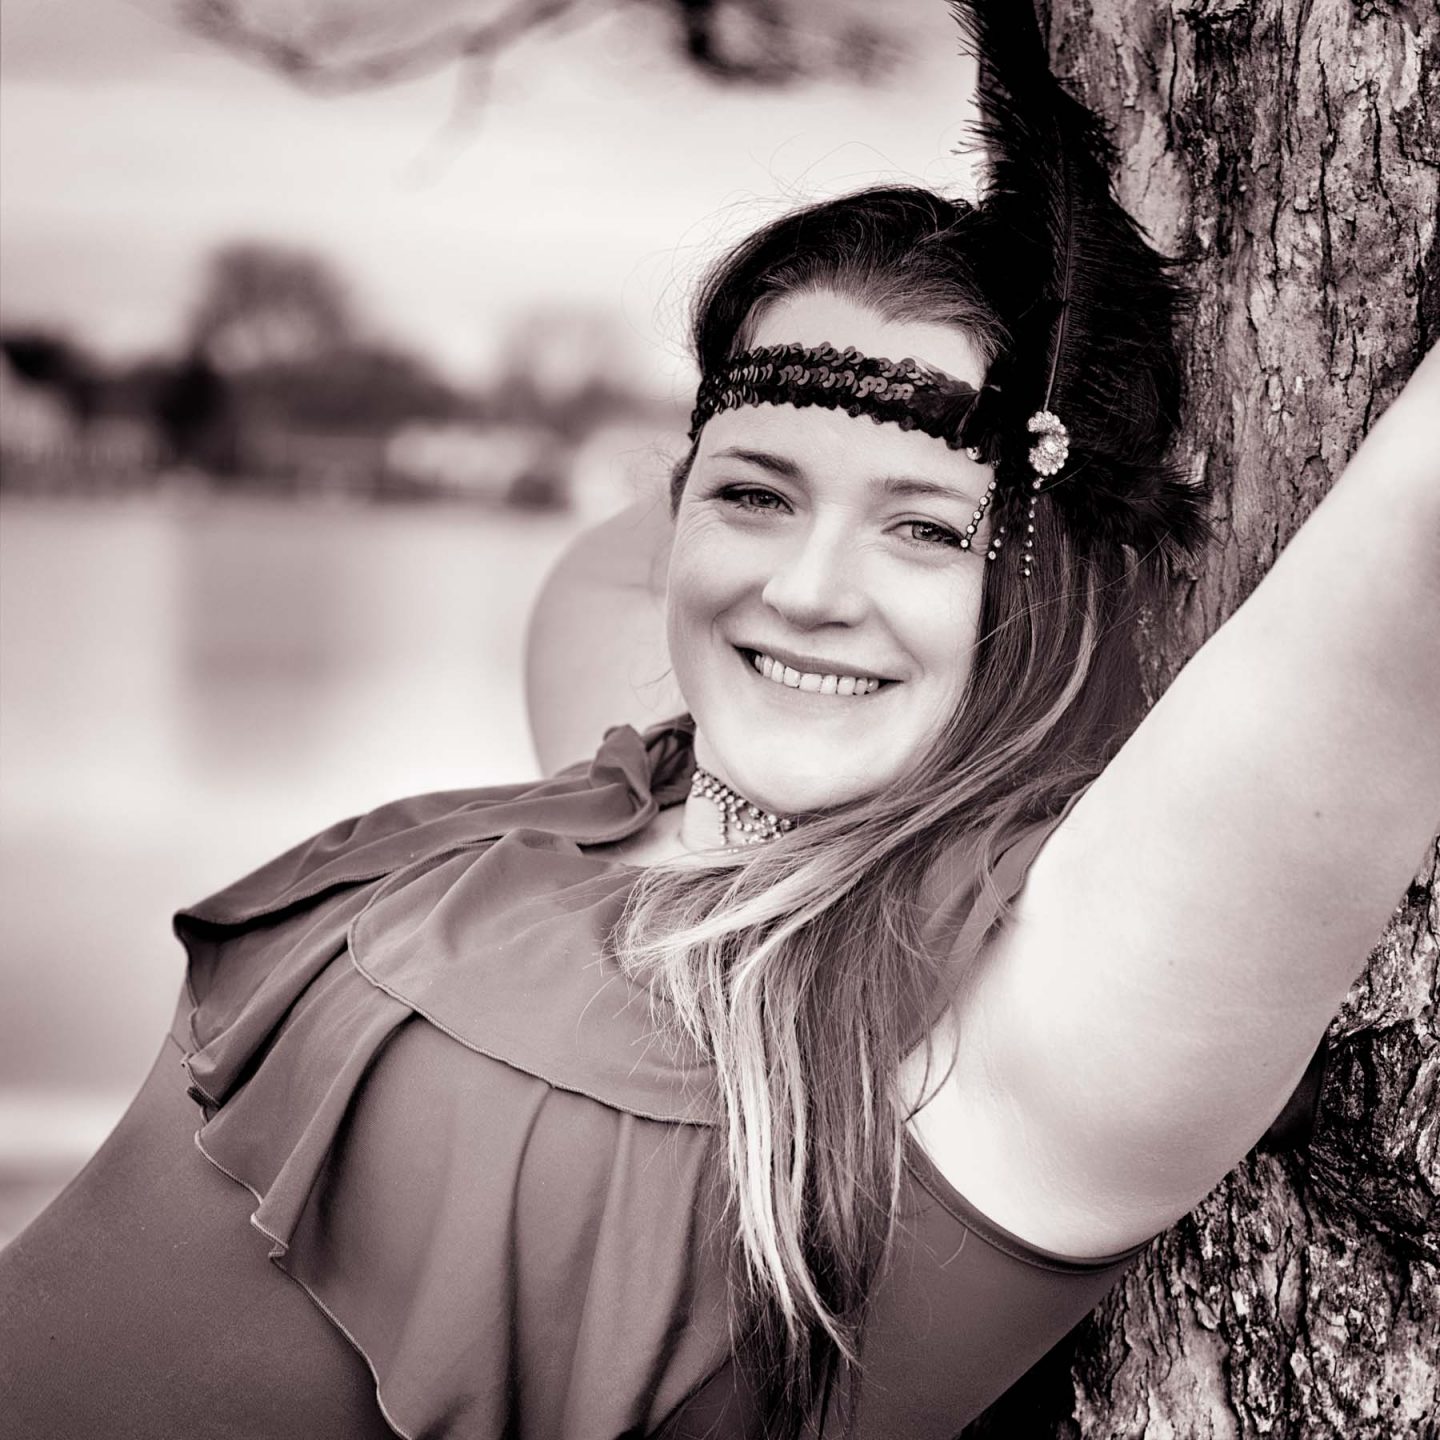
(702, 825)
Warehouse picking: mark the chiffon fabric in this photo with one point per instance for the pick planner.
(478, 1181)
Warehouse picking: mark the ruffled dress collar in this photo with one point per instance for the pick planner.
(488, 913)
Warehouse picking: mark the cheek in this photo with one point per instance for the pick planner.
(940, 625)
(708, 575)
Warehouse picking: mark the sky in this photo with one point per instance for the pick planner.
(599, 173)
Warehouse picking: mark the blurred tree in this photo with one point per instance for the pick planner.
(351, 44)
(567, 370)
(263, 305)
(277, 325)
(359, 387)
(57, 363)
(192, 405)
(277, 368)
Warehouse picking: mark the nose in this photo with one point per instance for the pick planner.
(817, 580)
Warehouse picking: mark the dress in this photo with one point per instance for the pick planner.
(450, 1123)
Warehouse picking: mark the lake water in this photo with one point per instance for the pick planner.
(187, 686)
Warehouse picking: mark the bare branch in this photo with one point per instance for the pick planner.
(341, 46)
(228, 23)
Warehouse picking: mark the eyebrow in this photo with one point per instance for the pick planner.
(906, 485)
(902, 486)
(763, 460)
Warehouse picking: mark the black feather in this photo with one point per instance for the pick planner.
(1092, 308)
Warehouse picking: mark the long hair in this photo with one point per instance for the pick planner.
(800, 965)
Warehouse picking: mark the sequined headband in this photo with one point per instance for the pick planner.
(898, 392)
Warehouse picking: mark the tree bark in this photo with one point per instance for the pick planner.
(1290, 149)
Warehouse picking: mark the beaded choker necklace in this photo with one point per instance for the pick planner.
(741, 822)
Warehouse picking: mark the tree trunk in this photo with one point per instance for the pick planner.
(1291, 150)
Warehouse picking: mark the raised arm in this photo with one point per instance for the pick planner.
(595, 651)
(1186, 935)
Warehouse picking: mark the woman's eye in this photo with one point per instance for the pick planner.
(751, 497)
(927, 532)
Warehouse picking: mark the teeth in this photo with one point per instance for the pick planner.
(811, 684)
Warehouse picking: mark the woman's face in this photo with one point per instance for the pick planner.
(822, 617)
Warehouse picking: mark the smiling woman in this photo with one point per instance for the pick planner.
(811, 1064)
(800, 540)
(840, 523)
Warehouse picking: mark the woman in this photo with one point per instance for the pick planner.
(732, 1084)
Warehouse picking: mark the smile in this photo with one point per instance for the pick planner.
(808, 681)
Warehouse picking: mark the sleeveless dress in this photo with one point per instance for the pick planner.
(476, 1182)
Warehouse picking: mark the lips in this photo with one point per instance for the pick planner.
(836, 681)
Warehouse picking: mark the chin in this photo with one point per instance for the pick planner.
(794, 753)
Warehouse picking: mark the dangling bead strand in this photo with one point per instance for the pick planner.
(1029, 532)
(1047, 458)
(741, 821)
(967, 538)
